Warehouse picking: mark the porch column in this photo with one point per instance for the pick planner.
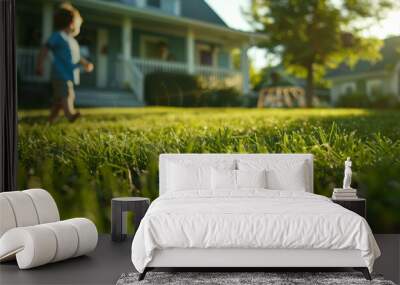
(190, 52)
(102, 58)
(244, 65)
(215, 53)
(231, 63)
(126, 47)
(47, 29)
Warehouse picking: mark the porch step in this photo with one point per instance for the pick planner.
(106, 98)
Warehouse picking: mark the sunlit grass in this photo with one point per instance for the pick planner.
(111, 152)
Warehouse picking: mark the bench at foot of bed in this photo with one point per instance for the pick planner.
(363, 270)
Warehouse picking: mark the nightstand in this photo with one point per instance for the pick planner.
(119, 207)
(358, 206)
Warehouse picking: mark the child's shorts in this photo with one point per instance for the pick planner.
(63, 89)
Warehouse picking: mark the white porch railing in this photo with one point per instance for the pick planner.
(218, 73)
(136, 78)
(138, 82)
(147, 66)
(26, 65)
(214, 77)
(210, 76)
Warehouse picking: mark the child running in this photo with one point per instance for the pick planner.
(66, 61)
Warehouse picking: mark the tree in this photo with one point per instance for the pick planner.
(313, 35)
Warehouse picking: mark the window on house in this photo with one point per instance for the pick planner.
(374, 87)
(348, 88)
(154, 3)
(169, 6)
(155, 48)
(205, 55)
(152, 50)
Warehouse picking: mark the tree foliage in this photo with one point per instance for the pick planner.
(314, 35)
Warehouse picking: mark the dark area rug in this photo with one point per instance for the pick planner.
(232, 278)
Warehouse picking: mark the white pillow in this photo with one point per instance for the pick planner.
(188, 177)
(223, 179)
(251, 178)
(226, 179)
(281, 174)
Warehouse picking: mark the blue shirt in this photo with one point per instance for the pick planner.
(66, 57)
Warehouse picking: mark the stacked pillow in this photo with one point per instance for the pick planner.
(236, 175)
(288, 175)
(194, 175)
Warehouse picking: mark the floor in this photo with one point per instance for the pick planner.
(104, 266)
(389, 262)
(110, 260)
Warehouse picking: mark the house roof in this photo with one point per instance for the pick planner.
(390, 56)
(196, 13)
(192, 9)
(201, 11)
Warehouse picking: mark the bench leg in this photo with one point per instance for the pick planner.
(143, 274)
(364, 271)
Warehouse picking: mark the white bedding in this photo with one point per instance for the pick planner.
(250, 218)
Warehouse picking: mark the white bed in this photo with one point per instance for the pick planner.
(248, 227)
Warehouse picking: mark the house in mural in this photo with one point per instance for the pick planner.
(127, 39)
(382, 77)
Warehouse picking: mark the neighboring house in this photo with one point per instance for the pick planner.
(127, 39)
(382, 77)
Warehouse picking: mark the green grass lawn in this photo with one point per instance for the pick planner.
(113, 152)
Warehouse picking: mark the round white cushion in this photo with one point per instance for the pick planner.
(7, 220)
(46, 207)
(87, 235)
(67, 240)
(24, 211)
(37, 245)
(26, 208)
(32, 246)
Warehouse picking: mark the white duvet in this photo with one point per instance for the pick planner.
(250, 219)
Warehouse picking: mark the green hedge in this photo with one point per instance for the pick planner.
(361, 100)
(184, 90)
(114, 152)
(171, 89)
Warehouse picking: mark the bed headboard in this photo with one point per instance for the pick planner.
(204, 158)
